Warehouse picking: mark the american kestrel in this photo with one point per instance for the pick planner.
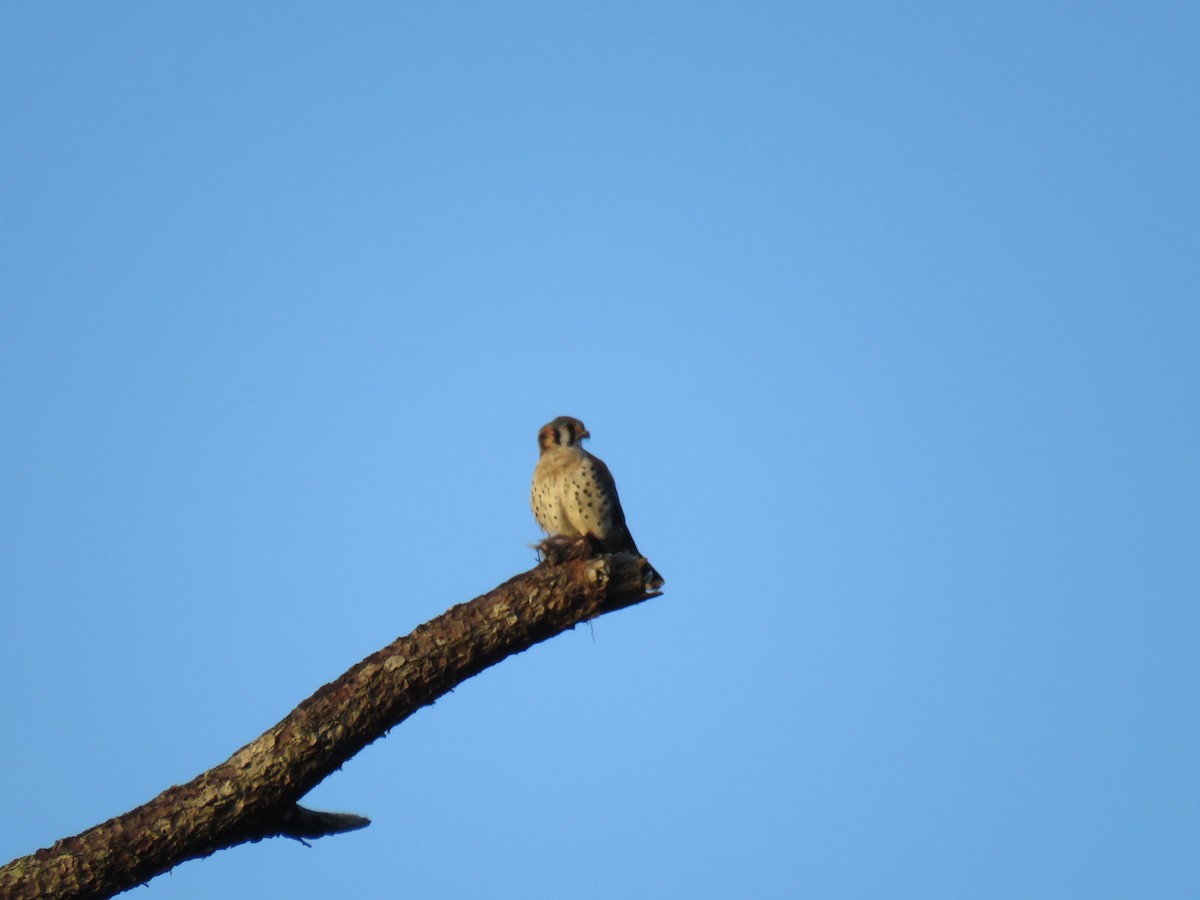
(574, 495)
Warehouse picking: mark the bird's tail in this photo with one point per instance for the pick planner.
(650, 576)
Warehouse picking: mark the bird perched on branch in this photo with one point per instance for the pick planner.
(574, 496)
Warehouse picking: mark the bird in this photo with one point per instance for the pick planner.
(574, 496)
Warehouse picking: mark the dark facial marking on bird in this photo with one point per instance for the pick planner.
(569, 430)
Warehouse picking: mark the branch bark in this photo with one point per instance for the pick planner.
(254, 794)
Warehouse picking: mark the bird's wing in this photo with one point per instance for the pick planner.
(620, 539)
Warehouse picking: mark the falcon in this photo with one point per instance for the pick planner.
(574, 495)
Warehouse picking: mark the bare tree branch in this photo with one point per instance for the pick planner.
(253, 794)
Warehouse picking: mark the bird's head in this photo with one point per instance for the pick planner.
(565, 431)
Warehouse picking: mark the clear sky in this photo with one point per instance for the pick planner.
(886, 318)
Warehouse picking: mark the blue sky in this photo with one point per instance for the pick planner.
(885, 317)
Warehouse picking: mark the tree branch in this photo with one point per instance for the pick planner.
(253, 794)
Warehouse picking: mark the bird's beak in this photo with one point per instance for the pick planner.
(584, 434)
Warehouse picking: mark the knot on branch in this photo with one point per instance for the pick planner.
(305, 824)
